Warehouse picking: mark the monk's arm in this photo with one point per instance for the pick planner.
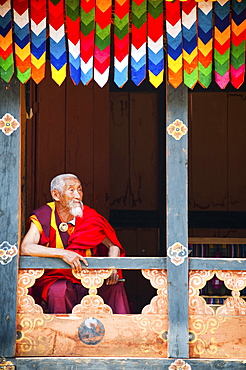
(113, 251)
(30, 247)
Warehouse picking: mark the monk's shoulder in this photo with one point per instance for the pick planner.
(43, 211)
(90, 212)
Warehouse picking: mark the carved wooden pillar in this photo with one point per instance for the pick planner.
(9, 211)
(177, 221)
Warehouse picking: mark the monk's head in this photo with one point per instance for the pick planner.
(66, 190)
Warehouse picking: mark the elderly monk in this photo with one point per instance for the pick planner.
(67, 229)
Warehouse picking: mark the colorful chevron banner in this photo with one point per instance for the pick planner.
(6, 46)
(139, 39)
(102, 42)
(22, 40)
(174, 43)
(87, 13)
(121, 42)
(222, 39)
(155, 42)
(73, 36)
(205, 43)
(189, 32)
(203, 40)
(38, 39)
(238, 37)
(58, 52)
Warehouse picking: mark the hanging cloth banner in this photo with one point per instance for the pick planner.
(38, 39)
(22, 40)
(121, 42)
(58, 52)
(203, 39)
(6, 41)
(205, 43)
(190, 60)
(138, 47)
(73, 37)
(87, 13)
(102, 42)
(238, 37)
(222, 39)
(155, 42)
(174, 43)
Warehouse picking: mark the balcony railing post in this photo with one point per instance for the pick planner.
(177, 221)
(9, 211)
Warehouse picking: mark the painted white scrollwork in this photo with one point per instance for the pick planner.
(7, 252)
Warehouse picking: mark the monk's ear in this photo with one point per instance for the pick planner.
(55, 194)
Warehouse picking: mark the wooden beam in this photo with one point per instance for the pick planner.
(233, 264)
(214, 240)
(9, 213)
(177, 221)
(135, 263)
(104, 363)
(126, 263)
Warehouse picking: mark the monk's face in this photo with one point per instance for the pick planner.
(70, 199)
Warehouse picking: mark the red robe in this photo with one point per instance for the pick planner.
(90, 231)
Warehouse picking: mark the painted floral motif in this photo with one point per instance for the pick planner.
(92, 279)
(8, 124)
(26, 303)
(177, 129)
(177, 252)
(198, 280)
(179, 365)
(158, 304)
(7, 252)
(92, 304)
(4, 364)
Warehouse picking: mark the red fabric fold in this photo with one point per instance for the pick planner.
(90, 231)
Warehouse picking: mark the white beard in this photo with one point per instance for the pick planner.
(75, 209)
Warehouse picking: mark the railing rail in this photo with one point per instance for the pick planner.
(135, 263)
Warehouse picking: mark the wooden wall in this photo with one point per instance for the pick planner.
(134, 177)
(217, 156)
(69, 133)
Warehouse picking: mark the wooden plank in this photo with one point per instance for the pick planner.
(102, 363)
(101, 149)
(201, 240)
(30, 155)
(23, 129)
(119, 151)
(143, 151)
(131, 263)
(177, 224)
(217, 264)
(208, 157)
(210, 337)
(236, 151)
(73, 334)
(197, 233)
(50, 136)
(127, 263)
(79, 136)
(233, 233)
(9, 212)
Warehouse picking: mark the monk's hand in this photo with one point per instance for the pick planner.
(113, 278)
(73, 259)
